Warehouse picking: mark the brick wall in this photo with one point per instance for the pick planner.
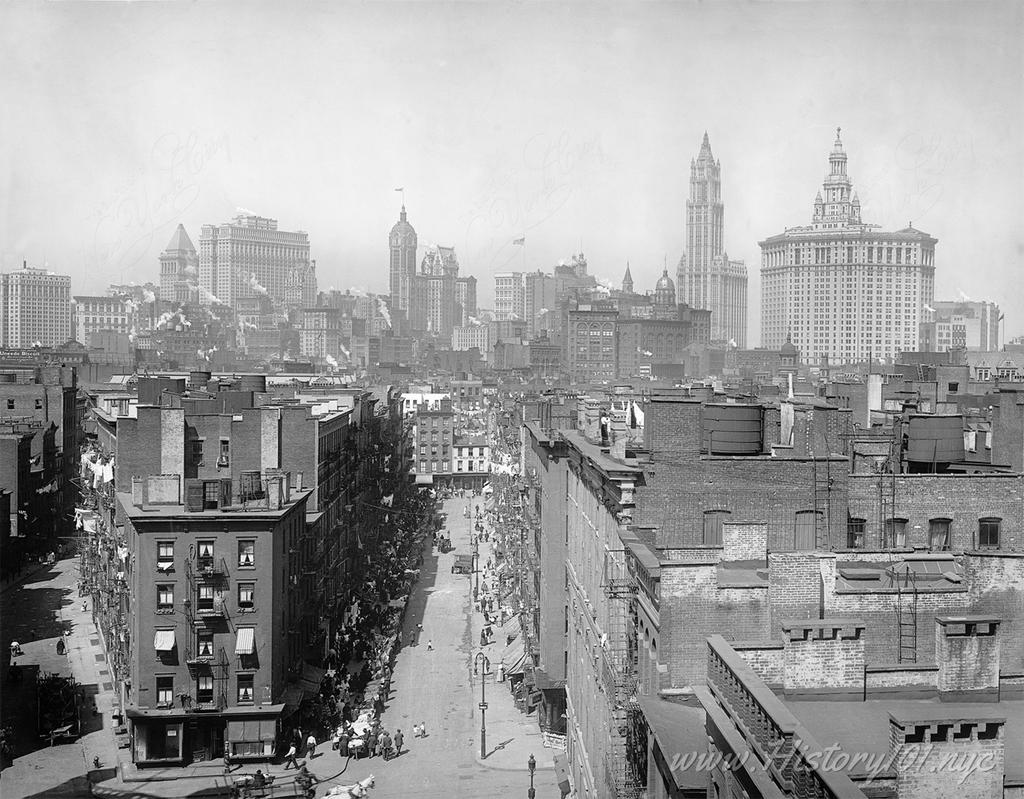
(964, 499)
(996, 586)
(825, 653)
(919, 748)
(1008, 431)
(765, 659)
(694, 607)
(744, 541)
(672, 428)
(967, 653)
(794, 587)
(760, 489)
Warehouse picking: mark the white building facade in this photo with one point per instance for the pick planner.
(845, 291)
(35, 308)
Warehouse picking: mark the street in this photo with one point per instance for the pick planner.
(435, 687)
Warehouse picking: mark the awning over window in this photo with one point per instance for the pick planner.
(514, 657)
(164, 640)
(424, 479)
(252, 730)
(245, 641)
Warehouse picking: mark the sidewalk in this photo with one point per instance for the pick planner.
(512, 736)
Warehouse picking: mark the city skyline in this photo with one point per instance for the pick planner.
(585, 149)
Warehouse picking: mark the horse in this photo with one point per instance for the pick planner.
(356, 790)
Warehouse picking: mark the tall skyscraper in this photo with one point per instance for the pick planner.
(844, 290)
(178, 264)
(402, 242)
(706, 277)
(35, 308)
(249, 256)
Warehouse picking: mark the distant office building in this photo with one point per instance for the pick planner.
(465, 299)
(846, 291)
(966, 325)
(707, 278)
(319, 337)
(508, 296)
(35, 308)
(402, 242)
(469, 336)
(178, 267)
(101, 314)
(592, 344)
(249, 256)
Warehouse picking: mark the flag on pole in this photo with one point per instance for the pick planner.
(521, 241)
(402, 189)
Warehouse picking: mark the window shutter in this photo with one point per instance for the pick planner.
(193, 495)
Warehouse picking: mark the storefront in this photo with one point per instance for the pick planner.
(177, 737)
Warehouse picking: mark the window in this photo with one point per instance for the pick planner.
(713, 526)
(246, 594)
(205, 597)
(196, 452)
(204, 558)
(953, 388)
(245, 689)
(247, 553)
(165, 555)
(164, 597)
(896, 533)
(938, 534)
(855, 533)
(165, 690)
(10, 405)
(204, 644)
(39, 404)
(988, 533)
(225, 453)
(204, 689)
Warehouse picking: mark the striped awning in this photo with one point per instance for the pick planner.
(163, 641)
(245, 641)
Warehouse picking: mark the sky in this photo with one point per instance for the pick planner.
(569, 124)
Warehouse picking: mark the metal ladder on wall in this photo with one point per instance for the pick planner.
(822, 479)
(620, 681)
(906, 617)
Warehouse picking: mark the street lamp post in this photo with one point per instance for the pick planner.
(532, 765)
(482, 658)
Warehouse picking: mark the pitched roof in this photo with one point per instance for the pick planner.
(180, 241)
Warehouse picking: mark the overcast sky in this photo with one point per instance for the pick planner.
(572, 125)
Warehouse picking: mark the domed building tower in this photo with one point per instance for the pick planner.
(403, 262)
(665, 297)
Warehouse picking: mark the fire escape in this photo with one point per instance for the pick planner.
(620, 678)
(205, 605)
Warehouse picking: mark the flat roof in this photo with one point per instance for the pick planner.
(152, 511)
(863, 727)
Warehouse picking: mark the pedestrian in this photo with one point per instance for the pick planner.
(343, 740)
(430, 646)
(311, 746)
(386, 745)
(290, 758)
(371, 742)
(423, 729)
(399, 740)
(227, 759)
(415, 730)
(412, 638)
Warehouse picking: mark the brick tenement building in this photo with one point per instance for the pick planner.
(216, 597)
(545, 477)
